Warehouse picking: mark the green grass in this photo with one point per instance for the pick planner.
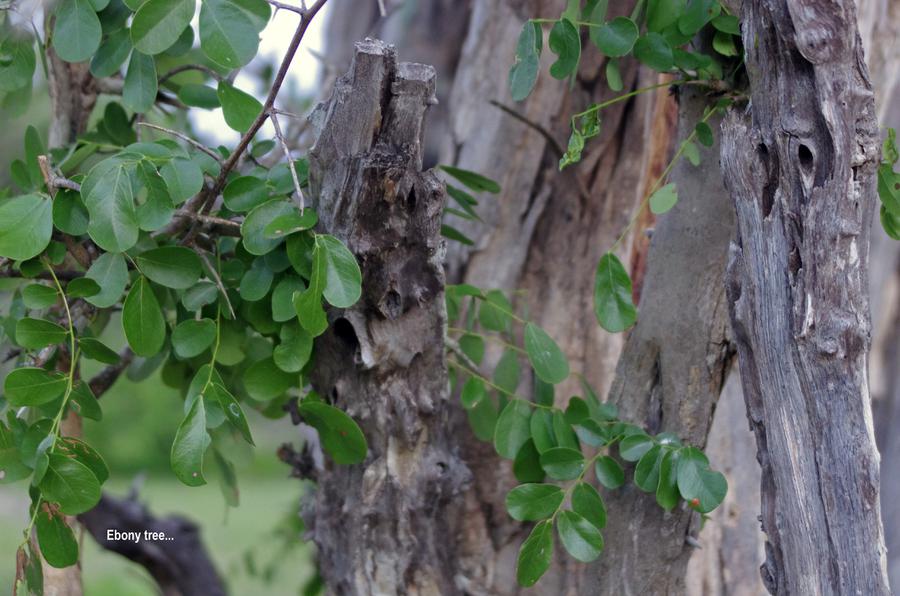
(266, 505)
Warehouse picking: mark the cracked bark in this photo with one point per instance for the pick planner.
(385, 526)
(802, 178)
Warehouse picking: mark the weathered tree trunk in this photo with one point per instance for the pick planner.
(386, 526)
(802, 178)
(672, 369)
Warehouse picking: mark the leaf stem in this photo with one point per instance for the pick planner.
(493, 385)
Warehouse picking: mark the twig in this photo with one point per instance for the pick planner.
(103, 380)
(225, 224)
(218, 280)
(187, 67)
(287, 154)
(454, 347)
(557, 148)
(184, 138)
(210, 194)
(282, 6)
(382, 9)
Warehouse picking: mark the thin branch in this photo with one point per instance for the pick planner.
(184, 138)
(287, 154)
(218, 280)
(289, 7)
(557, 148)
(103, 380)
(210, 194)
(188, 67)
(231, 228)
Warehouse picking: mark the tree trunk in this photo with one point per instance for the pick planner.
(386, 526)
(802, 178)
(672, 369)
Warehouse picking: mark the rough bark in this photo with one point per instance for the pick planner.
(180, 567)
(731, 543)
(672, 369)
(802, 178)
(385, 526)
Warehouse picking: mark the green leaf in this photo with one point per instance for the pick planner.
(158, 24)
(232, 409)
(140, 87)
(82, 287)
(613, 305)
(494, 312)
(341, 437)
(77, 32)
(535, 554)
(191, 338)
(203, 293)
(240, 109)
(646, 473)
(29, 386)
(507, 372)
(562, 463)
(452, 233)
(472, 392)
(890, 223)
(199, 96)
(26, 224)
(667, 490)
(548, 361)
(534, 502)
(229, 35)
(308, 304)
(472, 346)
(111, 54)
(512, 429)
(541, 428)
(483, 419)
(663, 199)
(662, 13)
(18, 63)
(244, 193)
(343, 279)
(527, 465)
(692, 153)
(697, 14)
(724, 44)
(174, 267)
(142, 319)
(70, 216)
(283, 298)
(524, 72)
(85, 401)
(85, 454)
(294, 352)
(697, 481)
(633, 447)
(617, 37)
(472, 180)
(580, 537)
(291, 223)
(108, 194)
(191, 441)
(253, 227)
(654, 51)
(727, 23)
(34, 334)
(587, 503)
(183, 178)
(71, 484)
(111, 274)
(565, 42)
(256, 282)
(609, 472)
(265, 381)
(55, 537)
(39, 296)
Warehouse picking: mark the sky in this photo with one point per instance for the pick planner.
(274, 40)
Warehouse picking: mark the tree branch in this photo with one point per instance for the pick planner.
(184, 138)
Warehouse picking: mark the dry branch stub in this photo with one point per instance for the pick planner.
(382, 360)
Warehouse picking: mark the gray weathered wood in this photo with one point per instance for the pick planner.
(386, 526)
(802, 179)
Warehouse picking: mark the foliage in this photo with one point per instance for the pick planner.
(889, 186)
(547, 444)
(224, 300)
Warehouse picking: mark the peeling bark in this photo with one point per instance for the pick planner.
(386, 526)
(802, 178)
